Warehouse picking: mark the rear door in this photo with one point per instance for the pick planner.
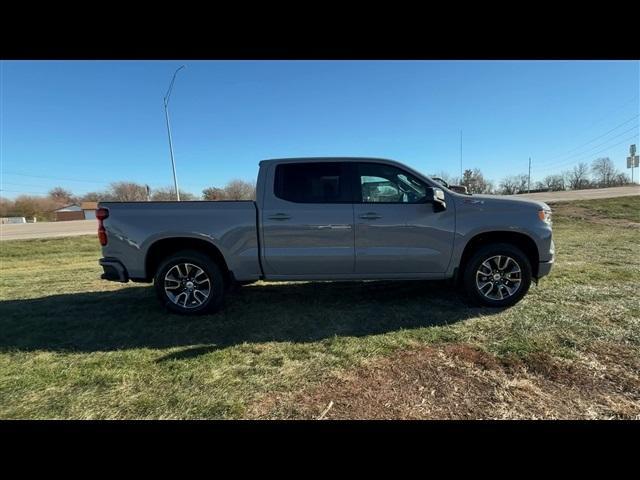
(395, 232)
(307, 220)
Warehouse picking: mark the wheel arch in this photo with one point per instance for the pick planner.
(161, 249)
(520, 240)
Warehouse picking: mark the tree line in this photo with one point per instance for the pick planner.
(43, 207)
(602, 173)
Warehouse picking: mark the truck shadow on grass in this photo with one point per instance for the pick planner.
(299, 312)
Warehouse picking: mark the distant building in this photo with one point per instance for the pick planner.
(82, 211)
(89, 209)
(69, 212)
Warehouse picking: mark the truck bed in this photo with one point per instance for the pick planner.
(133, 228)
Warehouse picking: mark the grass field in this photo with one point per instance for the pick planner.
(74, 346)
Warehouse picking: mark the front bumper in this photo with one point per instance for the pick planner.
(544, 268)
(113, 270)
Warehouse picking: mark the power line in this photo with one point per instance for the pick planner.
(55, 178)
(632, 100)
(573, 162)
(22, 191)
(590, 141)
(22, 184)
(592, 148)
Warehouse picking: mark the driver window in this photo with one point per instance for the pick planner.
(381, 183)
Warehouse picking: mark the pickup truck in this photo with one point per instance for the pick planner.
(328, 219)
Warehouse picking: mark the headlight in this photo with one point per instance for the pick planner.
(545, 216)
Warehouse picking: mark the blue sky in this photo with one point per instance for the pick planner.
(83, 124)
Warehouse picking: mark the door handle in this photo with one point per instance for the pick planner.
(333, 227)
(370, 216)
(279, 216)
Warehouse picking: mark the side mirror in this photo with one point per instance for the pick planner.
(440, 180)
(435, 196)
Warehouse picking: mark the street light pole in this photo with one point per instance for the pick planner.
(166, 114)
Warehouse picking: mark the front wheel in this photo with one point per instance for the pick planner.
(190, 283)
(497, 275)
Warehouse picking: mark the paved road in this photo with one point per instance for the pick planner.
(22, 231)
(582, 194)
(90, 227)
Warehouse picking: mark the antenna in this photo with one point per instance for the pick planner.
(461, 173)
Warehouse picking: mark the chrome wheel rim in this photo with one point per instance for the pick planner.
(498, 277)
(187, 285)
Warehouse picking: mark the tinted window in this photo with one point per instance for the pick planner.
(312, 183)
(380, 183)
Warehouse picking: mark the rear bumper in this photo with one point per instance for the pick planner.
(113, 270)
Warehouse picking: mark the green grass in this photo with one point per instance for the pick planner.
(74, 346)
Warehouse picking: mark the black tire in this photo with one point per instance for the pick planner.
(487, 253)
(215, 293)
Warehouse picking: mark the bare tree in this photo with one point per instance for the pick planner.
(604, 171)
(127, 192)
(234, 190)
(509, 185)
(213, 193)
(166, 194)
(61, 196)
(6, 207)
(93, 197)
(31, 206)
(514, 184)
(620, 179)
(523, 182)
(578, 177)
(554, 182)
(475, 182)
(240, 190)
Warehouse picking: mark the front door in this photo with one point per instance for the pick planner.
(308, 220)
(395, 232)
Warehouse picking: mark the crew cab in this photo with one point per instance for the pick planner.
(328, 219)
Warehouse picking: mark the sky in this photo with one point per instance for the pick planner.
(84, 124)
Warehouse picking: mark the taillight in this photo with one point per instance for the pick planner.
(101, 214)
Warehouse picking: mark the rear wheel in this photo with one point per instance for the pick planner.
(190, 283)
(497, 275)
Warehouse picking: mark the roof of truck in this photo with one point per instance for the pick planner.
(325, 159)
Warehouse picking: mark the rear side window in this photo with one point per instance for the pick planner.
(325, 182)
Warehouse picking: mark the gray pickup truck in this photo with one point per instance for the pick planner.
(328, 219)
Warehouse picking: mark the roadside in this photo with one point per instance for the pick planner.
(589, 194)
(24, 231)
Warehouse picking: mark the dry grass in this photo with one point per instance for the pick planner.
(460, 381)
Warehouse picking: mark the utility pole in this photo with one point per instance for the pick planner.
(166, 114)
(529, 181)
(633, 160)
